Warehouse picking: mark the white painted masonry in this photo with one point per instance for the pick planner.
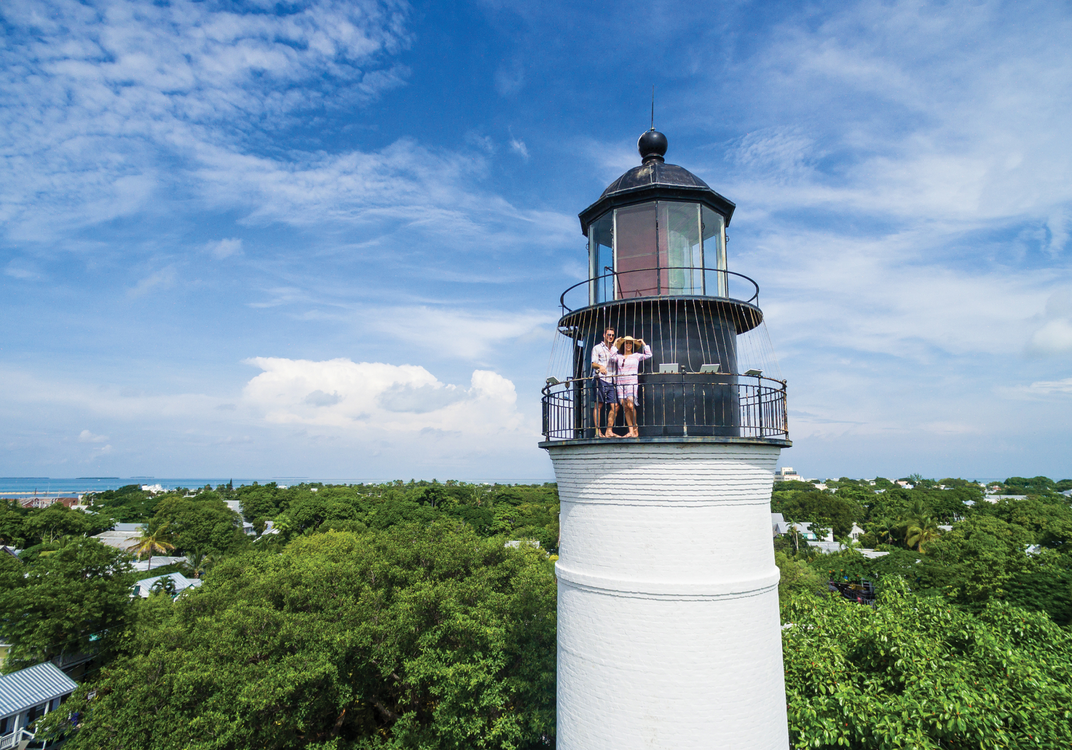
(668, 628)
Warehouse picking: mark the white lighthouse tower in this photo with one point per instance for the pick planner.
(668, 627)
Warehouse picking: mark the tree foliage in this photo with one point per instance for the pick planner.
(199, 524)
(917, 672)
(26, 527)
(129, 504)
(72, 600)
(410, 637)
(836, 512)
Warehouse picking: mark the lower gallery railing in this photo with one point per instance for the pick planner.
(672, 405)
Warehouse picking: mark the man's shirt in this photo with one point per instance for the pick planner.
(604, 355)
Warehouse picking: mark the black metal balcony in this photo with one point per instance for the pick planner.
(675, 405)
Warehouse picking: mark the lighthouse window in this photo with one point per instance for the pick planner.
(714, 245)
(635, 251)
(601, 259)
(656, 248)
(680, 250)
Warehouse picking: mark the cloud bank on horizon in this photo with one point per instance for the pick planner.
(374, 204)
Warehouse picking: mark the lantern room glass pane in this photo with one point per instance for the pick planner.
(714, 250)
(680, 250)
(601, 259)
(636, 251)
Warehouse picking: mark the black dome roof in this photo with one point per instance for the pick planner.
(654, 173)
(653, 180)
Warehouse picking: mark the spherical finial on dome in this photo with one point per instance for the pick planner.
(652, 145)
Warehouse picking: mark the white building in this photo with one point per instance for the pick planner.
(27, 695)
(788, 474)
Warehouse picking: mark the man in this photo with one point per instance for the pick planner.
(604, 369)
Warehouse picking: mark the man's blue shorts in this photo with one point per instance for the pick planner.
(606, 393)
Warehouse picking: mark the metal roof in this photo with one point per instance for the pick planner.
(32, 686)
(655, 179)
(182, 583)
(655, 173)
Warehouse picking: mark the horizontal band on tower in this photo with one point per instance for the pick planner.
(664, 502)
(676, 591)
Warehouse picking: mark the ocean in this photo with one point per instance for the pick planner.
(22, 487)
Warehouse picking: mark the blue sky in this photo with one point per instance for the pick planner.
(327, 239)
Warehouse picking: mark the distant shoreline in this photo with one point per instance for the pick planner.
(23, 487)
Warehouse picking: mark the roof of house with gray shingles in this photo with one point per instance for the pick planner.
(32, 686)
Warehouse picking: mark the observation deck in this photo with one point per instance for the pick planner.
(692, 389)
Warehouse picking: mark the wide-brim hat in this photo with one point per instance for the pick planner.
(620, 341)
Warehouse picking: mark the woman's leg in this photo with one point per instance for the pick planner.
(630, 418)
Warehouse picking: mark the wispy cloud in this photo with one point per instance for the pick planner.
(23, 270)
(519, 148)
(103, 100)
(225, 248)
(162, 279)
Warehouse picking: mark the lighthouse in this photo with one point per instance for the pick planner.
(668, 623)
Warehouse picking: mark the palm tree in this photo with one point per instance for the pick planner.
(883, 528)
(794, 533)
(921, 530)
(197, 562)
(150, 543)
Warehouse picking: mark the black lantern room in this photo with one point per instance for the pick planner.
(658, 271)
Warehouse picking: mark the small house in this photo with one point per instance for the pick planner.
(27, 695)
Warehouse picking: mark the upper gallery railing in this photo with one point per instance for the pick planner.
(659, 282)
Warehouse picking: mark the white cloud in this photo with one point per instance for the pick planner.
(225, 248)
(1054, 337)
(510, 78)
(466, 334)
(780, 153)
(88, 437)
(22, 270)
(1053, 387)
(104, 100)
(910, 111)
(518, 147)
(1059, 224)
(159, 280)
(381, 398)
(1040, 390)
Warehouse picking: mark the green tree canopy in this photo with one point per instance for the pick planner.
(410, 637)
(129, 504)
(72, 600)
(13, 524)
(199, 524)
(826, 509)
(917, 672)
(56, 521)
(975, 562)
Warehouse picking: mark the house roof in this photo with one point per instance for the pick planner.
(32, 686)
(779, 523)
(182, 583)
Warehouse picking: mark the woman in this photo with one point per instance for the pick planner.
(628, 361)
